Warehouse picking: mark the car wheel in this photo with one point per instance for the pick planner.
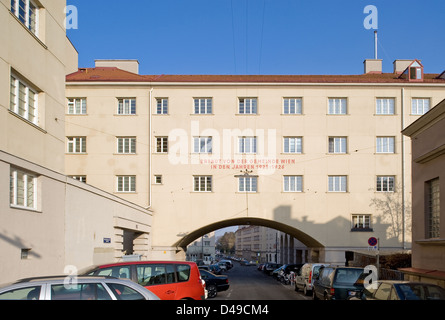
(212, 291)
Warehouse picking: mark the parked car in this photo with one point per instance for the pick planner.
(285, 271)
(305, 275)
(228, 263)
(401, 290)
(214, 283)
(335, 283)
(270, 267)
(222, 266)
(169, 280)
(75, 288)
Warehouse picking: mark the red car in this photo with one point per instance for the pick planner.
(169, 280)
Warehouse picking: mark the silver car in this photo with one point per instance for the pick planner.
(75, 288)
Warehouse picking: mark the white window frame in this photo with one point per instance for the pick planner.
(337, 145)
(292, 183)
(385, 145)
(76, 145)
(337, 183)
(293, 145)
(126, 106)
(248, 184)
(247, 145)
(161, 144)
(361, 222)
(292, 106)
(126, 145)
(27, 19)
(126, 184)
(27, 186)
(338, 106)
(23, 107)
(77, 106)
(385, 183)
(385, 106)
(420, 106)
(203, 105)
(161, 105)
(202, 183)
(248, 105)
(202, 144)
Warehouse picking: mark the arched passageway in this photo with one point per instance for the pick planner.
(304, 238)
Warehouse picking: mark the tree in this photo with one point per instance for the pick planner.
(226, 243)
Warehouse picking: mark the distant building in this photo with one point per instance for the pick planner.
(203, 249)
(428, 178)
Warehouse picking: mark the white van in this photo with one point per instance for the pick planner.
(303, 279)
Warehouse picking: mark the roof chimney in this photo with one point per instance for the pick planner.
(373, 66)
(124, 64)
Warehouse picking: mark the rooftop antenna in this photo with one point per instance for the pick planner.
(375, 44)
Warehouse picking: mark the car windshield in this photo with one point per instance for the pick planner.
(347, 276)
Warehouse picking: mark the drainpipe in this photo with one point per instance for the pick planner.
(403, 168)
(150, 130)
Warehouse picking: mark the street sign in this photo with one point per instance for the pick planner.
(372, 241)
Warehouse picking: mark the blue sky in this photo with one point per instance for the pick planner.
(258, 36)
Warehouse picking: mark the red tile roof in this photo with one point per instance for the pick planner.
(112, 74)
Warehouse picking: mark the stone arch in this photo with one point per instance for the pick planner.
(303, 237)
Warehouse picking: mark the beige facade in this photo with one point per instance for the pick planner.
(428, 175)
(346, 184)
(49, 223)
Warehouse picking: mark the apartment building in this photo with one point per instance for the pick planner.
(319, 157)
(49, 223)
(203, 249)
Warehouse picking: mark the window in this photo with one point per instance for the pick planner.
(24, 253)
(80, 178)
(292, 106)
(77, 106)
(27, 293)
(126, 184)
(337, 145)
(361, 222)
(247, 184)
(23, 100)
(247, 145)
(27, 12)
(337, 106)
(77, 144)
(161, 106)
(420, 106)
(203, 105)
(385, 183)
(22, 189)
(293, 184)
(126, 145)
(162, 144)
(202, 183)
(385, 106)
(248, 105)
(87, 291)
(292, 144)
(126, 106)
(153, 274)
(202, 144)
(158, 179)
(433, 208)
(385, 145)
(337, 184)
